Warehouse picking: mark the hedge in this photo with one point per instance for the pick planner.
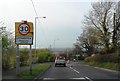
(115, 58)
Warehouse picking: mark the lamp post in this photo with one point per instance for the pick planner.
(35, 37)
(54, 42)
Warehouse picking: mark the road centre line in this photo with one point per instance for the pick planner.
(74, 70)
(79, 72)
(88, 78)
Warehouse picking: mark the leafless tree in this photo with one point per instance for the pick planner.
(100, 18)
(101, 27)
(116, 27)
(87, 40)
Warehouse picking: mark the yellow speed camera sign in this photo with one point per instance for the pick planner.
(24, 33)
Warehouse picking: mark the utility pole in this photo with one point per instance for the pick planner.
(50, 48)
(55, 42)
(67, 54)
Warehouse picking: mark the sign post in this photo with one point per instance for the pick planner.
(30, 60)
(23, 36)
(17, 60)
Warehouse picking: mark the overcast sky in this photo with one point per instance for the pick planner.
(62, 23)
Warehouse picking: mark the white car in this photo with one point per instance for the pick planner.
(60, 60)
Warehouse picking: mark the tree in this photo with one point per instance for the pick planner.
(8, 51)
(100, 18)
(2, 30)
(104, 21)
(87, 40)
(116, 28)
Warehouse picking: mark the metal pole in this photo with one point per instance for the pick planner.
(30, 60)
(35, 59)
(54, 44)
(17, 61)
(67, 53)
(35, 42)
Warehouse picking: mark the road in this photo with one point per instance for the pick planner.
(78, 71)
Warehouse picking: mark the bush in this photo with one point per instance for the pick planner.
(45, 57)
(107, 65)
(104, 58)
(24, 57)
(8, 52)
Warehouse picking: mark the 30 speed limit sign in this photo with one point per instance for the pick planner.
(24, 29)
(24, 33)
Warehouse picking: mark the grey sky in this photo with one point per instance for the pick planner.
(63, 19)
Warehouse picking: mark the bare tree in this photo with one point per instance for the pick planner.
(116, 27)
(101, 28)
(88, 40)
(100, 18)
(2, 29)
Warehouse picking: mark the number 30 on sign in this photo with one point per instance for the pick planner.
(24, 29)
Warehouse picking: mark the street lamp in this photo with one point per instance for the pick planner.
(35, 36)
(54, 42)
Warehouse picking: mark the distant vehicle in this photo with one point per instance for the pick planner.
(60, 60)
(74, 60)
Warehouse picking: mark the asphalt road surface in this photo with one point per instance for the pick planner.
(78, 71)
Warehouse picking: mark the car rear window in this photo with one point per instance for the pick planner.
(60, 58)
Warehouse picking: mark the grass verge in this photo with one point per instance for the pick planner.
(106, 65)
(35, 72)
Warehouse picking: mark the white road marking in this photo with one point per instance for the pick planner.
(102, 68)
(49, 78)
(105, 69)
(81, 78)
(70, 67)
(74, 70)
(88, 78)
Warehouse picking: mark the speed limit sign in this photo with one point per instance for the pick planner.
(24, 29)
(24, 33)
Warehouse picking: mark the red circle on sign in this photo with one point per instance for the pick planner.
(22, 30)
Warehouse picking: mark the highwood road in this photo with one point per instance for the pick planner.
(77, 71)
